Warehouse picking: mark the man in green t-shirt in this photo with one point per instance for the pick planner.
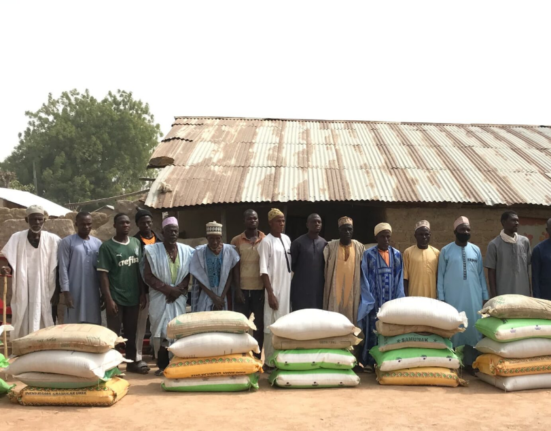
(122, 286)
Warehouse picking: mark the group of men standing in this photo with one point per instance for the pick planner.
(148, 276)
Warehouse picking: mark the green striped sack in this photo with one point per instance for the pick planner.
(415, 358)
(314, 379)
(313, 359)
(505, 330)
(212, 384)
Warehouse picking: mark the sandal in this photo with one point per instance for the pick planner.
(159, 372)
(137, 367)
(368, 369)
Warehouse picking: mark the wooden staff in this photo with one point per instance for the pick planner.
(4, 317)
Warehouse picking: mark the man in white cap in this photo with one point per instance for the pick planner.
(275, 271)
(461, 280)
(343, 258)
(382, 281)
(32, 256)
(421, 264)
(212, 268)
(166, 272)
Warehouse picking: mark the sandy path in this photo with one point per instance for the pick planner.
(367, 407)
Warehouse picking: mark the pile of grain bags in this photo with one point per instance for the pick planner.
(516, 350)
(68, 365)
(312, 350)
(4, 387)
(414, 347)
(212, 353)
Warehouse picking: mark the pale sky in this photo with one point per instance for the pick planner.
(433, 61)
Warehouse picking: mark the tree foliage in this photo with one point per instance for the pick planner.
(9, 181)
(84, 148)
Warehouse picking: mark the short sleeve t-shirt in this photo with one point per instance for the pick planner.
(121, 261)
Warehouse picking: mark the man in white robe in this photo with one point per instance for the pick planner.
(166, 272)
(32, 256)
(212, 266)
(275, 271)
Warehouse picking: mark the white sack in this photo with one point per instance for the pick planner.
(521, 349)
(213, 344)
(313, 324)
(429, 361)
(417, 310)
(78, 364)
(517, 383)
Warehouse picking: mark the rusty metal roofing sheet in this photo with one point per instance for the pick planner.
(232, 160)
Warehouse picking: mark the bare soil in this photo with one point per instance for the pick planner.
(367, 407)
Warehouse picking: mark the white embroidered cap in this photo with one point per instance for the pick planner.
(214, 228)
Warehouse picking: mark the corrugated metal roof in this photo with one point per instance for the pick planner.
(26, 199)
(231, 160)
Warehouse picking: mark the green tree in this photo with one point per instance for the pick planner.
(83, 148)
(9, 181)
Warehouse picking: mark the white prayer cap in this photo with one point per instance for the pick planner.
(214, 228)
(422, 223)
(461, 220)
(169, 221)
(381, 227)
(345, 220)
(35, 209)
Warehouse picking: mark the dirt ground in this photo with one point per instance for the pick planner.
(367, 407)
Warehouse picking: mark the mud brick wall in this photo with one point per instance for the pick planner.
(485, 222)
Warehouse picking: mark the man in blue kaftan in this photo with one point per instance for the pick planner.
(211, 267)
(461, 281)
(78, 276)
(382, 279)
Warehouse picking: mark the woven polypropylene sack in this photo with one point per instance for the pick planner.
(417, 310)
(212, 384)
(413, 340)
(391, 330)
(414, 358)
(63, 381)
(313, 324)
(81, 337)
(229, 365)
(505, 330)
(213, 344)
(431, 376)
(517, 307)
(497, 366)
(313, 359)
(104, 395)
(209, 321)
(517, 383)
(314, 379)
(527, 348)
(78, 364)
(342, 342)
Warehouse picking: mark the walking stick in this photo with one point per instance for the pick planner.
(4, 316)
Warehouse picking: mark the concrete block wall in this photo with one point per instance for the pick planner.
(485, 223)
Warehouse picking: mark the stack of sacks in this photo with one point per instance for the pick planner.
(313, 350)
(55, 361)
(212, 353)
(4, 387)
(414, 347)
(516, 353)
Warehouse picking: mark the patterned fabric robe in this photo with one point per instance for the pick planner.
(380, 283)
